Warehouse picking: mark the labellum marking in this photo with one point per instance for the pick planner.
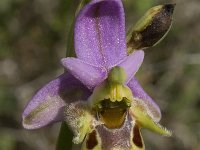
(92, 140)
(137, 140)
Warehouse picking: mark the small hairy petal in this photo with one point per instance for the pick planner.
(99, 34)
(79, 119)
(132, 63)
(47, 105)
(145, 100)
(89, 75)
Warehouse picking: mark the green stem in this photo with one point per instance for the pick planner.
(64, 141)
(65, 138)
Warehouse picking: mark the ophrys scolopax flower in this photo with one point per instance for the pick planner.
(99, 97)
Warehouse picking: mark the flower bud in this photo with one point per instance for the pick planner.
(151, 28)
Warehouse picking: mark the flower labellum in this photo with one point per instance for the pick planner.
(99, 98)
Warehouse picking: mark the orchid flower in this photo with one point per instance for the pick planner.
(98, 97)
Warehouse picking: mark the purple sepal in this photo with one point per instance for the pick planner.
(99, 34)
(48, 103)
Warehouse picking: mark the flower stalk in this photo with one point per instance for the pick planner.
(64, 141)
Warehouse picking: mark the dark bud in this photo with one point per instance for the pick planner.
(151, 28)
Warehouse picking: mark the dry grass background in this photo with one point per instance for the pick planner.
(33, 35)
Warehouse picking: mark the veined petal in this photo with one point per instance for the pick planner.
(132, 63)
(47, 105)
(89, 75)
(100, 33)
(145, 100)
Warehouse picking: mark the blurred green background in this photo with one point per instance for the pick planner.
(33, 35)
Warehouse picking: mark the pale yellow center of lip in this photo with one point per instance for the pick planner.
(112, 114)
(113, 117)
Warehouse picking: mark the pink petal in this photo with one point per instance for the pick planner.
(89, 75)
(132, 63)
